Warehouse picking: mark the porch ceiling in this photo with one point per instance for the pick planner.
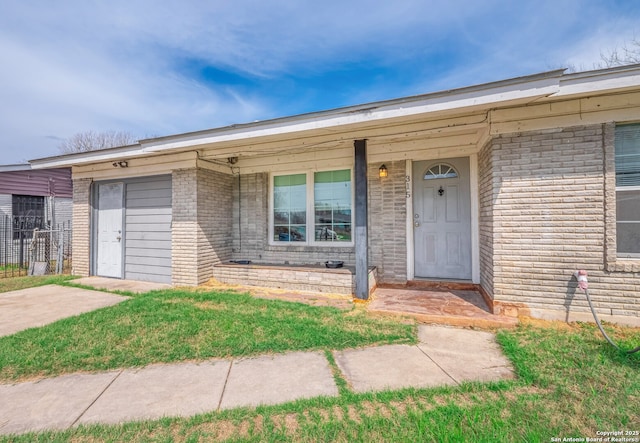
(387, 140)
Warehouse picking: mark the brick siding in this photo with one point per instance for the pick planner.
(81, 227)
(543, 216)
(214, 236)
(387, 226)
(334, 281)
(486, 182)
(388, 222)
(201, 226)
(184, 228)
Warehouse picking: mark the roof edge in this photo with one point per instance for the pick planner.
(363, 106)
(554, 83)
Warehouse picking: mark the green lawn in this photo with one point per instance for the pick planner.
(14, 283)
(176, 325)
(570, 382)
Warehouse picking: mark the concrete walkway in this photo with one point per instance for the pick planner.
(444, 356)
(39, 306)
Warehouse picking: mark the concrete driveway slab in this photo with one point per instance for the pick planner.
(389, 367)
(34, 307)
(116, 284)
(278, 379)
(466, 355)
(157, 391)
(51, 403)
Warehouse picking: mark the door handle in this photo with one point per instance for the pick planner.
(416, 224)
(119, 238)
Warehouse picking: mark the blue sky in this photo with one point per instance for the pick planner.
(157, 68)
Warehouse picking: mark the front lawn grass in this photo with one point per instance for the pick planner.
(571, 384)
(14, 283)
(178, 325)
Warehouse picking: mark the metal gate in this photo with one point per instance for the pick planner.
(28, 250)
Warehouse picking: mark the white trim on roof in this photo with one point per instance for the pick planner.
(11, 168)
(521, 90)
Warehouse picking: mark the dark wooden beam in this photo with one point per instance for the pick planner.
(361, 232)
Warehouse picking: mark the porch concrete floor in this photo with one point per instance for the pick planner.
(442, 306)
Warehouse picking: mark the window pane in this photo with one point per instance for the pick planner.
(628, 237)
(628, 155)
(290, 207)
(628, 206)
(628, 201)
(289, 233)
(332, 205)
(440, 171)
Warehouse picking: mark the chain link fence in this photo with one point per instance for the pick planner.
(27, 250)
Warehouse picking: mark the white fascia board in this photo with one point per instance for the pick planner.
(520, 90)
(87, 157)
(326, 121)
(13, 168)
(588, 83)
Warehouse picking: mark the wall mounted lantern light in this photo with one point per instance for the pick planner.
(382, 172)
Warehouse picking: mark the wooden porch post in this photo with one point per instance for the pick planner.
(361, 233)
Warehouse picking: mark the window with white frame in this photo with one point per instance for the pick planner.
(312, 208)
(628, 190)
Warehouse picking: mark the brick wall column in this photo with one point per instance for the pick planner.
(81, 223)
(184, 230)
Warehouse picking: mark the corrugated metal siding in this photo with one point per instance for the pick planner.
(41, 182)
(148, 229)
(5, 205)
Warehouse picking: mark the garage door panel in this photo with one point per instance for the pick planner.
(151, 202)
(146, 276)
(148, 229)
(151, 184)
(150, 245)
(150, 218)
(150, 262)
(166, 210)
(149, 235)
(145, 252)
(140, 194)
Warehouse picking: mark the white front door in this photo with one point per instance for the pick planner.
(109, 256)
(442, 219)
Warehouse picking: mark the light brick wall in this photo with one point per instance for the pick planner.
(388, 222)
(184, 228)
(250, 216)
(543, 214)
(387, 226)
(201, 224)
(486, 186)
(214, 236)
(335, 281)
(81, 227)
